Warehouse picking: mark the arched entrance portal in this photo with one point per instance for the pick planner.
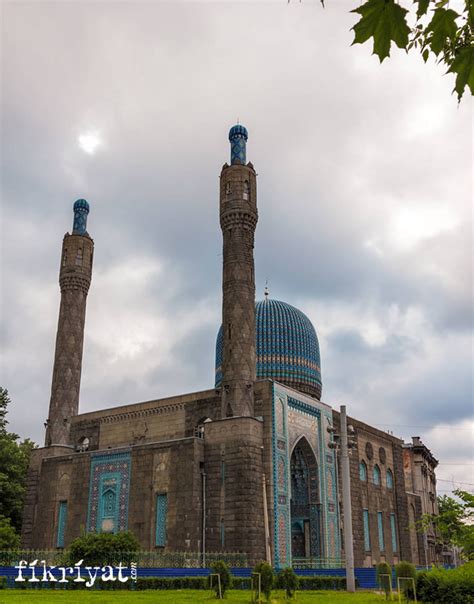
(305, 505)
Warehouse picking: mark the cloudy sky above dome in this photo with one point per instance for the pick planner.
(364, 200)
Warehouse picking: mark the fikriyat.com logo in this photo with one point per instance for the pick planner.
(43, 573)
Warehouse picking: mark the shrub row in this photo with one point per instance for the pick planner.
(56, 585)
(317, 582)
(439, 585)
(304, 583)
(172, 583)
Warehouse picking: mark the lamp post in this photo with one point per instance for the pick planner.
(343, 443)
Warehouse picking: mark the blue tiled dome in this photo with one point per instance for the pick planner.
(287, 347)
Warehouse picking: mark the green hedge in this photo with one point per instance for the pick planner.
(3, 582)
(316, 582)
(172, 583)
(439, 586)
(305, 583)
(56, 586)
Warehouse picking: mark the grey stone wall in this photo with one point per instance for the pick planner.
(234, 470)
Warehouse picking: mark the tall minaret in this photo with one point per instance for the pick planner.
(74, 280)
(238, 217)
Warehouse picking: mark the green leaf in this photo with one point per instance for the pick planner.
(425, 54)
(422, 8)
(442, 27)
(385, 22)
(463, 66)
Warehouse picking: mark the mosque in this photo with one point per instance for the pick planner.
(248, 465)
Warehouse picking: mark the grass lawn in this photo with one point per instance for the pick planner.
(15, 596)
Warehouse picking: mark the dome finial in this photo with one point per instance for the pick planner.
(238, 136)
(81, 209)
(266, 292)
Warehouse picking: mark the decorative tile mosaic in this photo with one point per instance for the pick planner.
(312, 470)
(109, 492)
(161, 518)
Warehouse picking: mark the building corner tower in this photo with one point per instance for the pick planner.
(74, 280)
(238, 219)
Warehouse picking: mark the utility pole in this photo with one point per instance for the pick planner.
(346, 503)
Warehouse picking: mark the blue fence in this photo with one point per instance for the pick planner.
(365, 576)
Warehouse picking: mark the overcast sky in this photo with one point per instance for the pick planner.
(364, 195)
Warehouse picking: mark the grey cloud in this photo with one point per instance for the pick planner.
(340, 144)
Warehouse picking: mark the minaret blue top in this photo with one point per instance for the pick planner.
(81, 209)
(238, 136)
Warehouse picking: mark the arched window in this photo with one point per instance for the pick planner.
(246, 190)
(363, 471)
(376, 475)
(389, 479)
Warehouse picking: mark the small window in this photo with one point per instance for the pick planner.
(377, 475)
(393, 530)
(380, 531)
(363, 471)
(62, 519)
(246, 190)
(389, 479)
(65, 257)
(366, 530)
(228, 188)
(222, 531)
(79, 257)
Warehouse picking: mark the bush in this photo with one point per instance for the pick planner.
(9, 538)
(220, 568)
(266, 578)
(100, 549)
(288, 581)
(384, 568)
(405, 570)
(3, 582)
(439, 585)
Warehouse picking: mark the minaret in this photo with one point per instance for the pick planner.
(74, 280)
(238, 218)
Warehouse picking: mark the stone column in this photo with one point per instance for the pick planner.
(238, 219)
(74, 279)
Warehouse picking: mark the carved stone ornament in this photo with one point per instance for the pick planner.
(369, 451)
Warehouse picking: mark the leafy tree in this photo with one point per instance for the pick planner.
(14, 461)
(100, 549)
(9, 538)
(220, 568)
(288, 580)
(383, 569)
(429, 26)
(266, 577)
(453, 525)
